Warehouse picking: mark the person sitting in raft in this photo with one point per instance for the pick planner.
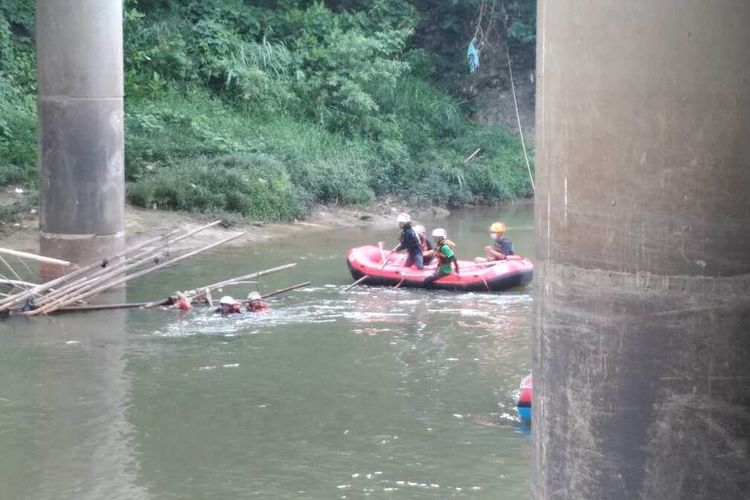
(409, 241)
(227, 305)
(428, 251)
(255, 302)
(444, 255)
(501, 246)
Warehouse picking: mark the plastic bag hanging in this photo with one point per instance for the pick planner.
(472, 54)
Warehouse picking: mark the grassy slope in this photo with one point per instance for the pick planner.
(189, 147)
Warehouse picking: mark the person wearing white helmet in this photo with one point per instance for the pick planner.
(409, 241)
(427, 247)
(227, 305)
(445, 257)
(255, 302)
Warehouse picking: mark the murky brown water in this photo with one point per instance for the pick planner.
(376, 392)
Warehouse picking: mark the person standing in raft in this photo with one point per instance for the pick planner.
(428, 249)
(444, 255)
(501, 246)
(255, 302)
(409, 241)
(227, 306)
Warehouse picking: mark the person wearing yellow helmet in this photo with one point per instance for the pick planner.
(501, 246)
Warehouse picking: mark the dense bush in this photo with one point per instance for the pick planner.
(266, 108)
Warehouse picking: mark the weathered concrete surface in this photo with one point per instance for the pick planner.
(81, 144)
(641, 345)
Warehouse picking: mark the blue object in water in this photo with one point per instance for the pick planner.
(524, 412)
(472, 54)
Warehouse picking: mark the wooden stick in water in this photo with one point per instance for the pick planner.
(121, 267)
(360, 280)
(18, 298)
(51, 307)
(35, 257)
(256, 274)
(283, 290)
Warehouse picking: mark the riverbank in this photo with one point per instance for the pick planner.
(140, 223)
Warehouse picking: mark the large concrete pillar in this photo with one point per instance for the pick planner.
(80, 72)
(642, 294)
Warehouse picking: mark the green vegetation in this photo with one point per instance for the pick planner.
(266, 108)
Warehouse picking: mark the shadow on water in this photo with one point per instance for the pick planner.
(329, 394)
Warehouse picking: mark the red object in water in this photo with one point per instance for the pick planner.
(527, 388)
(490, 276)
(183, 304)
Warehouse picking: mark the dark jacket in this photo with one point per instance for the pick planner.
(409, 241)
(504, 245)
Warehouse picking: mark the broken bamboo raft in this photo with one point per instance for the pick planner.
(70, 291)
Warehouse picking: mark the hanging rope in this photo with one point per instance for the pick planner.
(515, 101)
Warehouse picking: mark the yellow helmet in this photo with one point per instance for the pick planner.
(497, 227)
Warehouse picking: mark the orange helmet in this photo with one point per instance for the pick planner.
(497, 227)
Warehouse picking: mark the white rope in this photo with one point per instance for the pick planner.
(515, 102)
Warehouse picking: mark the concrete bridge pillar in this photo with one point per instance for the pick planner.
(80, 79)
(642, 338)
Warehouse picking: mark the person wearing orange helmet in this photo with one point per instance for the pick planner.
(501, 246)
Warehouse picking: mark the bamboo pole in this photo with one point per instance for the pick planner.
(17, 283)
(283, 290)
(256, 274)
(141, 257)
(102, 307)
(37, 290)
(87, 282)
(287, 289)
(35, 257)
(56, 305)
(206, 289)
(360, 280)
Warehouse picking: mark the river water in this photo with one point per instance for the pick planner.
(375, 392)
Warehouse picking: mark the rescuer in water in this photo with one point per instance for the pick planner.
(255, 303)
(447, 261)
(227, 305)
(409, 241)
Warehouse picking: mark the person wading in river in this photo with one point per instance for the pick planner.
(444, 255)
(255, 302)
(501, 246)
(227, 305)
(409, 241)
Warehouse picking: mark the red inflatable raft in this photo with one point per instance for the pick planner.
(491, 276)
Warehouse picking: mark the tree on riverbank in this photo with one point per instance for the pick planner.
(264, 108)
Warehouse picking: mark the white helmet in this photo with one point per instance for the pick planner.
(403, 218)
(226, 300)
(253, 296)
(439, 233)
(420, 230)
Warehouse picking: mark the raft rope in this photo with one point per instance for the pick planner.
(473, 52)
(515, 101)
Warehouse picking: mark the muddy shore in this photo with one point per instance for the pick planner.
(141, 223)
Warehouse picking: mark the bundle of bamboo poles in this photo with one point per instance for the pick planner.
(77, 285)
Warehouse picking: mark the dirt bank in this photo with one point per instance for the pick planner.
(142, 222)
